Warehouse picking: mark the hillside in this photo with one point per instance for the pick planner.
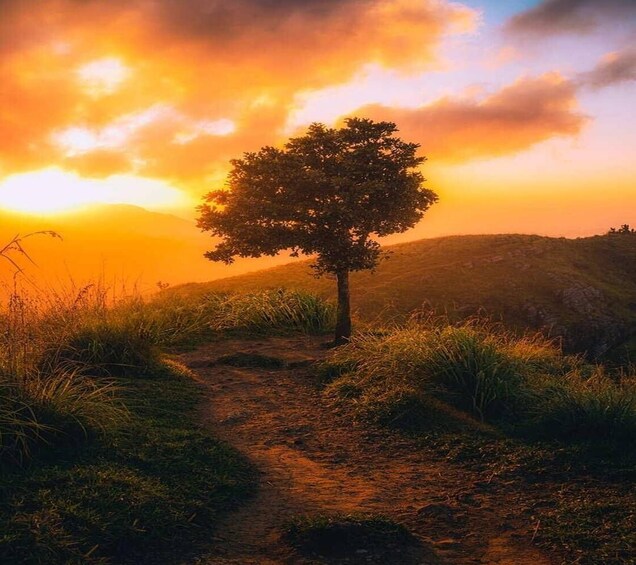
(583, 290)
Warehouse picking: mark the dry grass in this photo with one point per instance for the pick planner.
(59, 351)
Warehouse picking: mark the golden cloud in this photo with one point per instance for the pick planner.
(517, 117)
(78, 74)
(613, 68)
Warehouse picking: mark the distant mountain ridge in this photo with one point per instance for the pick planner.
(582, 290)
(122, 243)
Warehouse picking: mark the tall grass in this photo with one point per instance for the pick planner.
(59, 351)
(422, 372)
(272, 311)
(581, 406)
(44, 403)
(43, 410)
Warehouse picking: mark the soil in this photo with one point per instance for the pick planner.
(314, 460)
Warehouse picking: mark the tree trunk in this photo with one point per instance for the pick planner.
(343, 322)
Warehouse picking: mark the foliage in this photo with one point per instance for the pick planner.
(461, 277)
(40, 411)
(43, 405)
(328, 193)
(624, 229)
(59, 352)
(582, 407)
(324, 193)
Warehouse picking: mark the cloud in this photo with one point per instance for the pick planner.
(614, 68)
(553, 17)
(517, 117)
(80, 73)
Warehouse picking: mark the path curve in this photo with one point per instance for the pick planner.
(313, 460)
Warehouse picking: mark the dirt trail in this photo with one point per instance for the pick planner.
(313, 460)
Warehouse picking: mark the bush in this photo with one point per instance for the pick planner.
(410, 376)
(581, 408)
(104, 348)
(41, 410)
(271, 311)
(470, 366)
(477, 370)
(46, 395)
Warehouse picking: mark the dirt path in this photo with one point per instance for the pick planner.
(313, 460)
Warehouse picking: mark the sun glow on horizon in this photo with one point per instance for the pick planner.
(54, 191)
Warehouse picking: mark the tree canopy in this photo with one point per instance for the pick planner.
(328, 193)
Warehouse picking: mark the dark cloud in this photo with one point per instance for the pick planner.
(612, 69)
(570, 16)
(219, 19)
(515, 118)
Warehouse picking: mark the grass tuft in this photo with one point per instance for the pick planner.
(252, 360)
(586, 408)
(420, 375)
(272, 311)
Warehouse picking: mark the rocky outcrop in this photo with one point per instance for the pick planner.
(581, 316)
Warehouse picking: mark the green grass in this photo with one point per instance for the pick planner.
(423, 373)
(594, 407)
(102, 458)
(58, 352)
(255, 360)
(580, 496)
(271, 311)
(103, 461)
(149, 492)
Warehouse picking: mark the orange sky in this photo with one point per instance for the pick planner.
(524, 108)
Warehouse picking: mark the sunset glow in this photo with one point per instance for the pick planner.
(524, 109)
(53, 191)
(103, 76)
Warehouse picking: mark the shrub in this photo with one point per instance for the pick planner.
(45, 409)
(104, 348)
(407, 378)
(478, 374)
(272, 311)
(46, 398)
(582, 408)
(471, 366)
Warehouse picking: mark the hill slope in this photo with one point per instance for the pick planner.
(583, 290)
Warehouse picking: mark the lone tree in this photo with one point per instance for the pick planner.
(327, 194)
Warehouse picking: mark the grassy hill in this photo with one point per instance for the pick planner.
(583, 290)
